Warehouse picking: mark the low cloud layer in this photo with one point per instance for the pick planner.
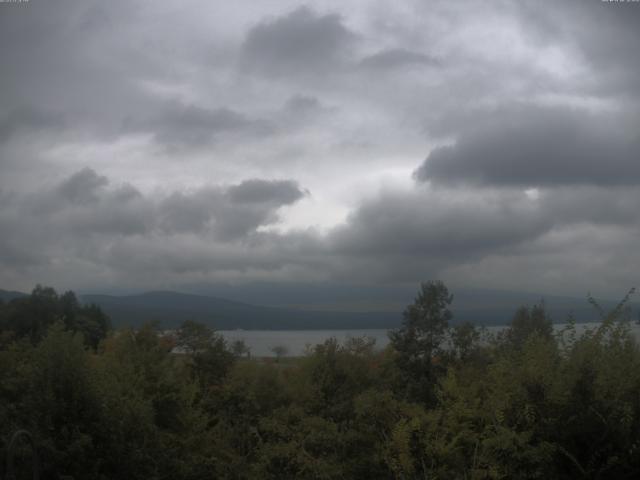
(87, 225)
(86, 218)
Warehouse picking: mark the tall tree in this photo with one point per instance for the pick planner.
(417, 344)
(526, 322)
(210, 359)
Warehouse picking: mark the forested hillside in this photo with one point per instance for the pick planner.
(122, 404)
(170, 309)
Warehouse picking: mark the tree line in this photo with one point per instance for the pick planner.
(440, 402)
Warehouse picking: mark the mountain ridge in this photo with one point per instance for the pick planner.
(170, 308)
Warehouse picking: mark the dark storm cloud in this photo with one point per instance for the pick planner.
(91, 67)
(27, 120)
(215, 230)
(401, 236)
(15, 254)
(254, 203)
(528, 95)
(86, 219)
(539, 147)
(605, 33)
(230, 213)
(87, 204)
(54, 65)
(251, 204)
(268, 256)
(279, 192)
(615, 52)
(594, 205)
(301, 42)
(183, 126)
(82, 187)
(86, 201)
(429, 224)
(301, 113)
(188, 212)
(234, 224)
(302, 105)
(397, 58)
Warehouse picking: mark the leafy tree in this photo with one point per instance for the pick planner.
(279, 351)
(207, 352)
(417, 344)
(298, 445)
(194, 337)
(211, 365)
(526, 322)
(464, 340)
(333, 375)
(89, 320)
(240, 348)
(30, 317)
(532, 405)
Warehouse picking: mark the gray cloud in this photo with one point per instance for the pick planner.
(86, 202)
(397, 58)
(279, 192)
(187, 126)
(402, 236)
(345, 98)
(214, 232)
(15, 255)
(418, 224)
(188, 258)
(188, 212)
(303, 106)
(86, 221)
(254, 203)
(53, 74)
(301, 42)
(26, 119)
(82, 187)
(537, 147)
(229, 213)
(604, 33)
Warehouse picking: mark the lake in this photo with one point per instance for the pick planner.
(262, 341)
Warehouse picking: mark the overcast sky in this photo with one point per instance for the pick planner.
(169, 144)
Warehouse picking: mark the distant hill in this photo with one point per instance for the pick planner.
(482, 307)
(8, 295)
(171, 308)
(477, 306)
(491, 307)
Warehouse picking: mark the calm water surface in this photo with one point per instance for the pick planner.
(296, 341)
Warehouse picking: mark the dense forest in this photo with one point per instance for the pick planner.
(439, 402)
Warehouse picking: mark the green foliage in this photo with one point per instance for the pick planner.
(147, 405)
(465, 340)
(527, 322)
(334, 374)
(417, 344)
(31, 316)
(208, 357)
(240, 349)
(279, 351)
